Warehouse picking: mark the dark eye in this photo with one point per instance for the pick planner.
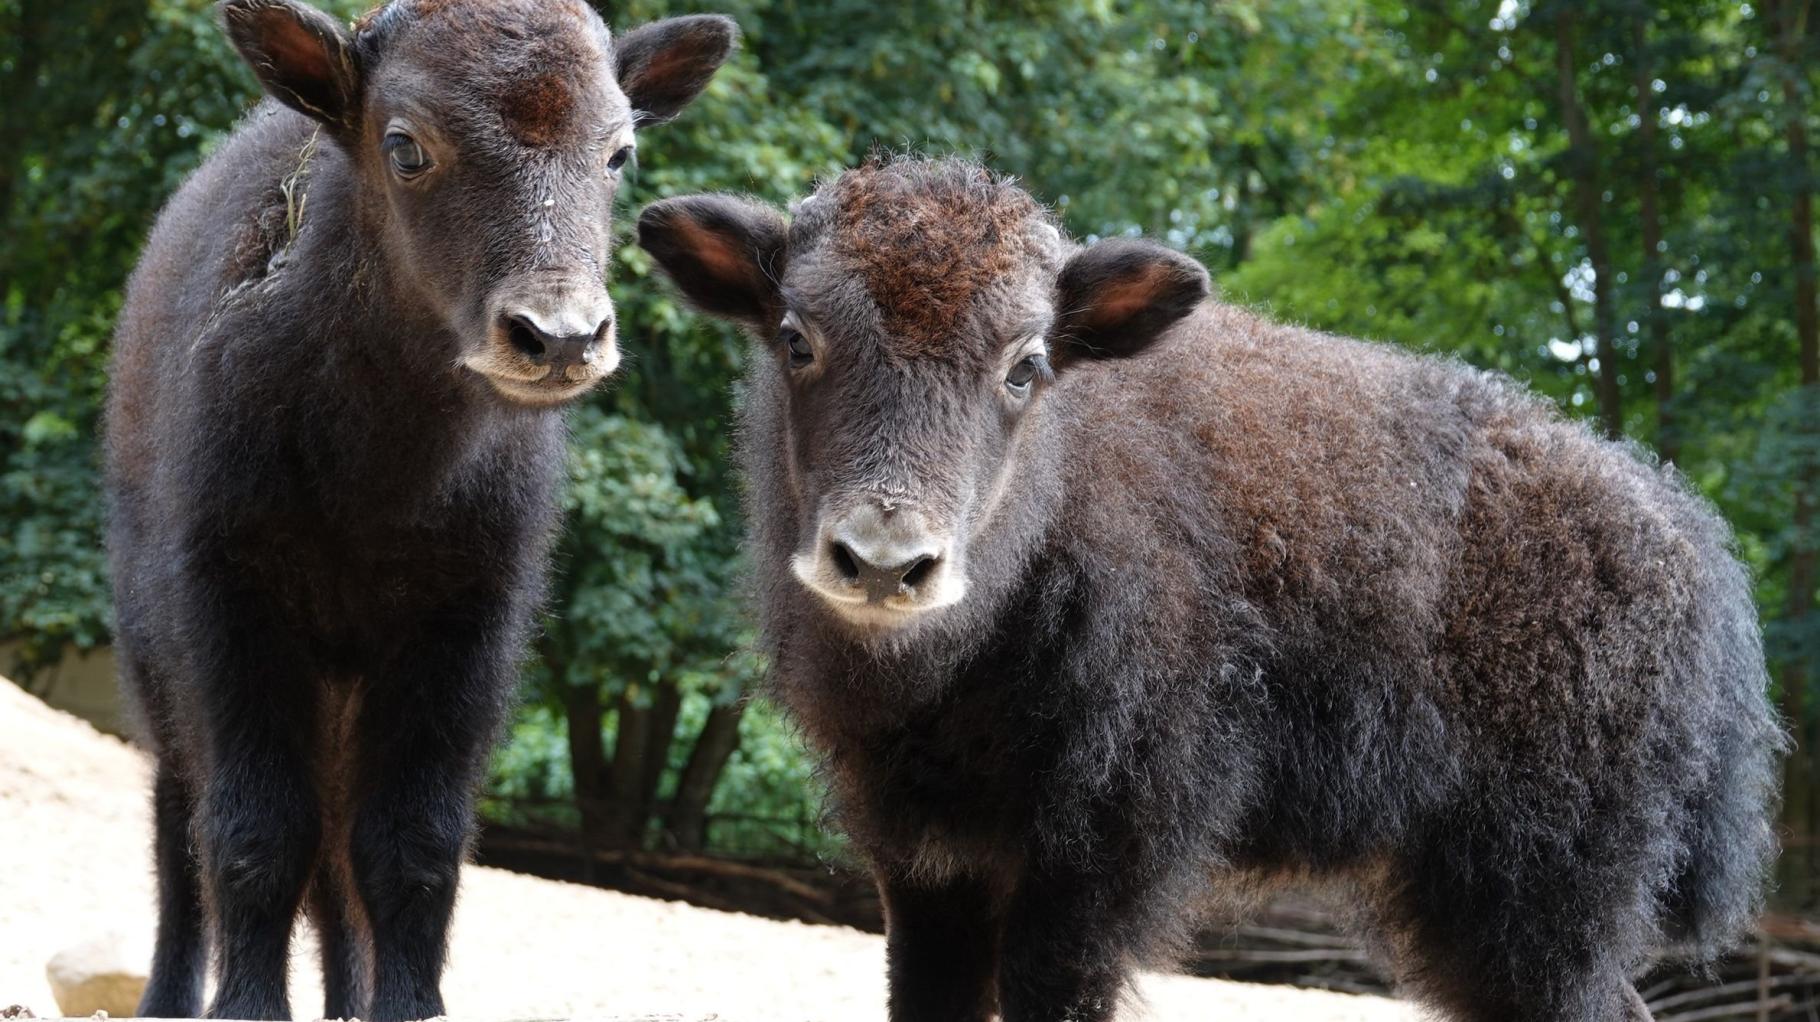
(1023, 374)
(408, 158)
(800, 352)
(619, 158)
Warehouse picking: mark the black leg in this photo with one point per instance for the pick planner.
(345, 979)
(1079, 917)
(1064, 957)
(260, 825)
(942, 947)
(426, 729)
(1502, 930)
(261, 837)
(180, 957)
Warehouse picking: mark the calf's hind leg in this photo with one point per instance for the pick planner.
(345, 981)
(334, 908)
(1541, 933)
(180, 956)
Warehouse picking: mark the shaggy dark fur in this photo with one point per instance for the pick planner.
(1245, 604)
(334, 442)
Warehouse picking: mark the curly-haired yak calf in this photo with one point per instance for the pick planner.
(334, 442)
(1092, 591)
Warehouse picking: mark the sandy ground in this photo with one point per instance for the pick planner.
(74, 865)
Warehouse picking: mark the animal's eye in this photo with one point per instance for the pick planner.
(1023, 374)
(408, 158)
(800, 352)
(619, 158)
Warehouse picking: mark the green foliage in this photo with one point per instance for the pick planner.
(530, 768)
(53, 586)
(768, 802)
(640, 589)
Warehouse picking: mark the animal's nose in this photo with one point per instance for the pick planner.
(559, 351)
(884, 552)
(882, 577)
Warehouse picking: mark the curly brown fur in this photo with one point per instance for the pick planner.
(333, 449)
(965, 227)
(1243, 603)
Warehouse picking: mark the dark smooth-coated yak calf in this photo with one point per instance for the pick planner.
(1094, 592)
(334, 443)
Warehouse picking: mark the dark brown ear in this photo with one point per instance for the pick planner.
(726, 254)
(664, 65)
(303, 57)
(1116, 297)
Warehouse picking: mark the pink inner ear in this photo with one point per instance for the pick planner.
(670, 63)
(715, 252)
(293, 50)
(1124, 298)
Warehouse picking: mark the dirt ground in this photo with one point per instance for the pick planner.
(74, 865)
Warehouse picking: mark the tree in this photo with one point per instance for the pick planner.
(1787, 37)
(640, 615)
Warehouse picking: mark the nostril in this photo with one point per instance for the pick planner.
(526, 338)
(844, 562)
(919, 572)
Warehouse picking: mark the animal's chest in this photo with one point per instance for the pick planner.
(963, 779)
(351, 575)
(411, 524)
(331, 572)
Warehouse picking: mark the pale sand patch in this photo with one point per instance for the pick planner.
(75, 863)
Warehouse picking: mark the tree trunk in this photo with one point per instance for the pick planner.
(1655, 323)
(660, 733)
(688, 816)
(641, 748)
(588, 760)
(1583, 164)
(17, 114)
(631, 743)
(1789, 18)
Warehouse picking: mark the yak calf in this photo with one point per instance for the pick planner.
(334, 443)
(1093, 591)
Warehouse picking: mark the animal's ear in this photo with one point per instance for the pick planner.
(1115, 297)
(664, 65)
(302, 56)
(725, 253)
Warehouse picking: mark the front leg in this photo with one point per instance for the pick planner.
(426, 729)
(941, 945)
(1064, 959)
(1080, 917)
(257, 818)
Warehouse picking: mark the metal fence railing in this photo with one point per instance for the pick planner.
(798, 840)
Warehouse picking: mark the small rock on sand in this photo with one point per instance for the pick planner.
(105, 975)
